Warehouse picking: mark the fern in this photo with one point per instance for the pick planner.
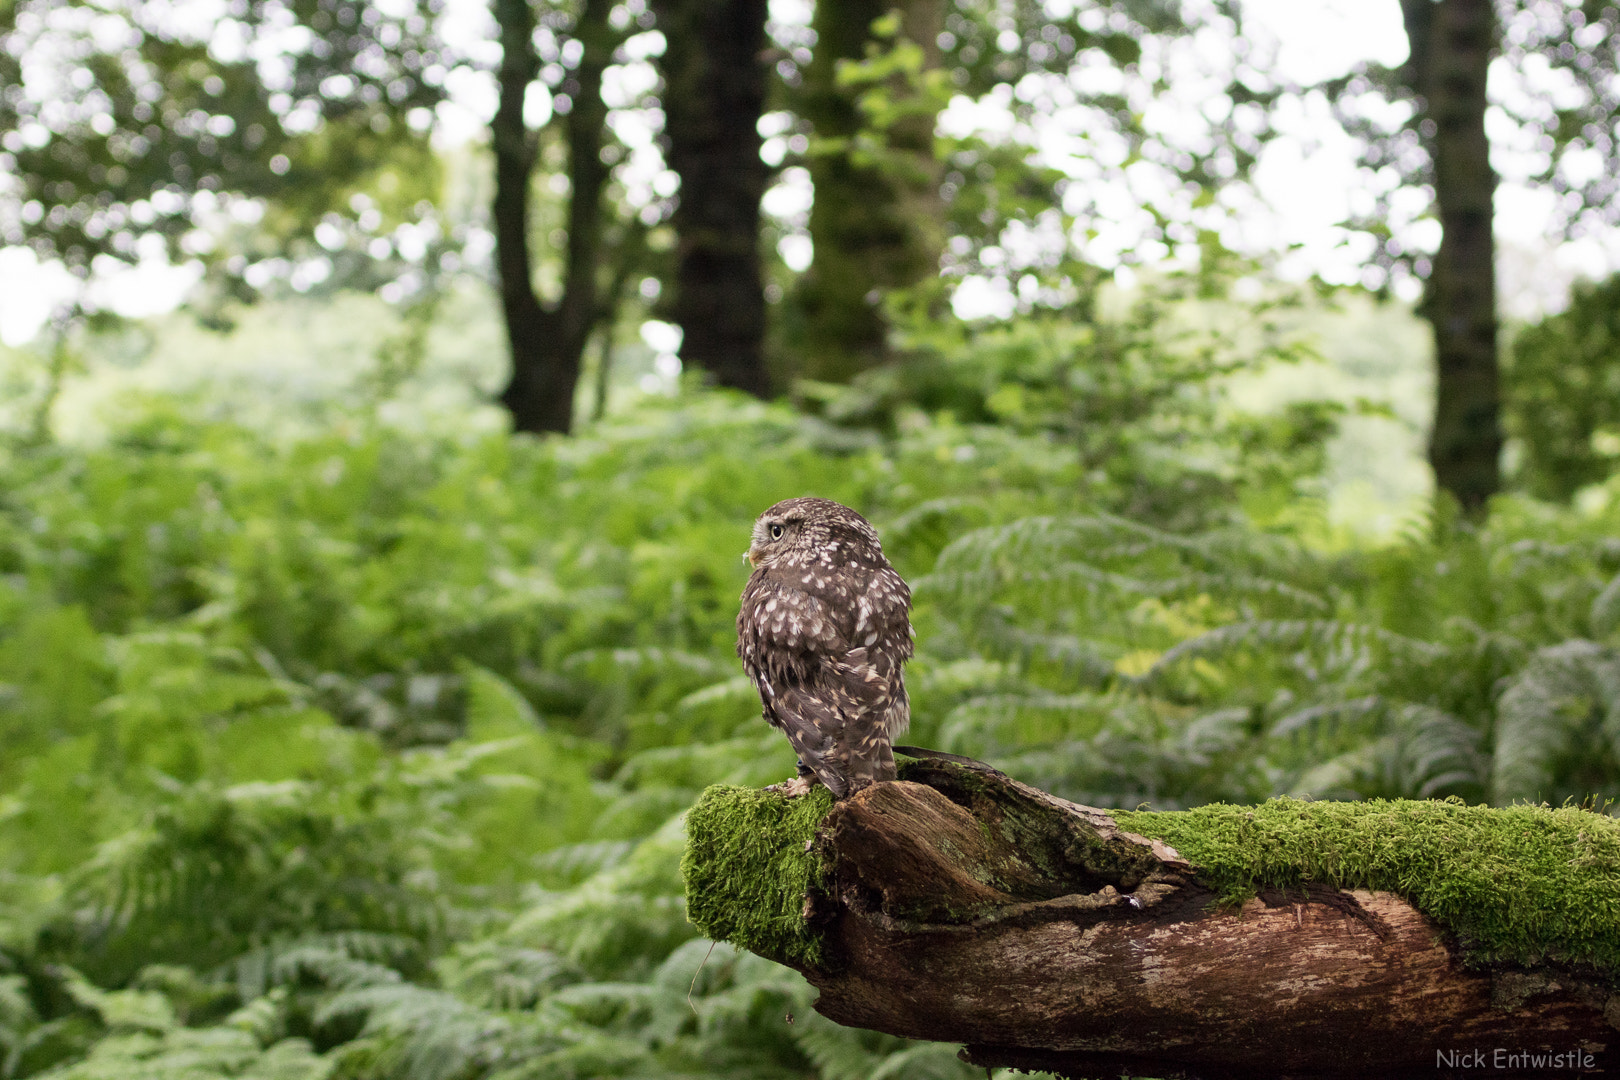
(1420, 751)
(421, 1034)
(1345, 642)
(1605, 614)
(493, 975)
(1560, 725)
(207, 1054)
(359, 748)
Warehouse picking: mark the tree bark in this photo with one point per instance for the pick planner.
(631, 254)
(714, 95)
(872, 228)
(971, 908)
(547, 341)
(1451, 46)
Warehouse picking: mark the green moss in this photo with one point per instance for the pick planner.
(747, 870)
(1521, 884)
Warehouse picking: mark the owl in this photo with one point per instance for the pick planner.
(822, 633)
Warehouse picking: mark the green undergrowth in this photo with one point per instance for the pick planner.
(1522, 884)
(747, 869)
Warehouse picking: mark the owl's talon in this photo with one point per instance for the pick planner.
(799, 785)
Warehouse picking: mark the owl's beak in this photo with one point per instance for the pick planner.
(752, 556)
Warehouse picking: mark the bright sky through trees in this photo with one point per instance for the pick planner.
(1305, 184)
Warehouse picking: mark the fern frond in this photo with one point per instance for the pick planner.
(494, 704)
(1554, 714)
(648, 660)
(641, 1010)
(425, 1034)
(1352, 710)
(901, 525)
(587, 1053)
(120, 1010)
(1214, 733)
(994, 723)
(1605, 611)
(1089, 660)
(1237, 584)
(495, 975)
(196, 1054)
(339, 959)
(1341, 777)
(16, 1009)
(738, 689)
(620, 922)
(755, 753)
(1092, 532)
(575, 862)
(1323, 634)
(1424, 753)
(928, 1061)
(639, 812)
(840, 1053)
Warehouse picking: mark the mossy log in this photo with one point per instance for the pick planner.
(1289, 939)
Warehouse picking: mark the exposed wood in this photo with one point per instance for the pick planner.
(974, 909)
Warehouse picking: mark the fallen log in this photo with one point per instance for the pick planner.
(1291, 939)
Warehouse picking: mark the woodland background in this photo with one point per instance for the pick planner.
(366, 625)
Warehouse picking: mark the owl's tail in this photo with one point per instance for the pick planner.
(814, 727)
(846, 747)
(871, 758)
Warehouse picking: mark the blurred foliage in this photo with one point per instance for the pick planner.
(903, 189)
(1138, 384)
(227, 138)
(1563, 394)
(1533, 45)
(358, 747)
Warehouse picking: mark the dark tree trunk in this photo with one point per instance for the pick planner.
(631, 254)
(1451, 46)
(873, 228)
(714, 94)
(547, 341)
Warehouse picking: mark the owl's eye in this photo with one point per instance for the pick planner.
(776, 532)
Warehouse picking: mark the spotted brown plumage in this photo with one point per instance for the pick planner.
(822, 632)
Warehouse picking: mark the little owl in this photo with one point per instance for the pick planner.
(822, 633)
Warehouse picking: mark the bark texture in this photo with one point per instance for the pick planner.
(875, 224)
(547, 341)
(714, 94)
(1451, 46)
(962, 906)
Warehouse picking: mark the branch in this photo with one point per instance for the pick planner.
(959, 905)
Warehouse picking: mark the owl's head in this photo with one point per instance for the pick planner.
(802, 526)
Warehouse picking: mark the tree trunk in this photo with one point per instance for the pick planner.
(630, 255)
(1452, 42)
(714, 95)
(547, 341)
(872, 227)
(961, 906)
